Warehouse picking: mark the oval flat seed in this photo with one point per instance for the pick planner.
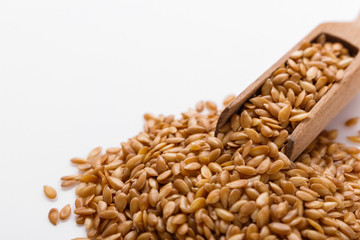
(246, 120)
(259, 150)
(299, 117)
(355, 139)
(213, 197)
(280, 228)
(297, 54)
(224, 214)
(280, 78)
(305, 196)
(307, 86)
(169, 208)
(164, 175)
(246, 170)
(311, 73)
(193, 166)
(344, 63)
(108, 214)
(84, 211)
(197, 204)
(65, 212)
(68, 183)
(352, 121)
(50, 192)
(284, 114)
(237, 183)
(53, 216)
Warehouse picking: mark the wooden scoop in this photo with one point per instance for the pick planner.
(348, 33)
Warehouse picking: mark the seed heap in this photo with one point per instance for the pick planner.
(175, 180)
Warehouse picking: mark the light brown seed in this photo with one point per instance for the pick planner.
(68, 183)
(280, 78)
(352, 121)
(84, 211)
(280, 228)
(246, 170)
(263, 216)
(53, 216)
(70, 177)
(197, 204)
(108, 214)
(169, 208)
(77, 160)
(310, 51)
(307, 86)
(200, 106)
(346, 229)
(275, 167)
(305, 196)
(192, 166)
(344, 63)
(247, 208)
(266, 131)
(213, 197)
(264, 166)
(211, 105)
(355, 139)
(263, 199)
(246, 120)
(228, 99)
(120, 201)
(284, 114)
(224, 214)
(313, 235)
(164, 175)
(311, 73)
(259, 150)
(253, 135)
(65, 212)
(321, 189)
(181, 186)
(297, 54)
(237, 183)
(299, 117)
(50, 192)
(117, 184)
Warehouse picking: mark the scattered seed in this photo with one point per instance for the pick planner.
(50, 192)
(352, 121)
(65, 212)
(53, 216)
(355, 139)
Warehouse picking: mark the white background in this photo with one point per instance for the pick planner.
(78, 74)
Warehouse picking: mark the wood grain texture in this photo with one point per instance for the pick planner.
(328, 106)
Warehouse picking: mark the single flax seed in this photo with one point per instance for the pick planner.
(352, 121)
(65, 212)
(53, 216)
(50, 192)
